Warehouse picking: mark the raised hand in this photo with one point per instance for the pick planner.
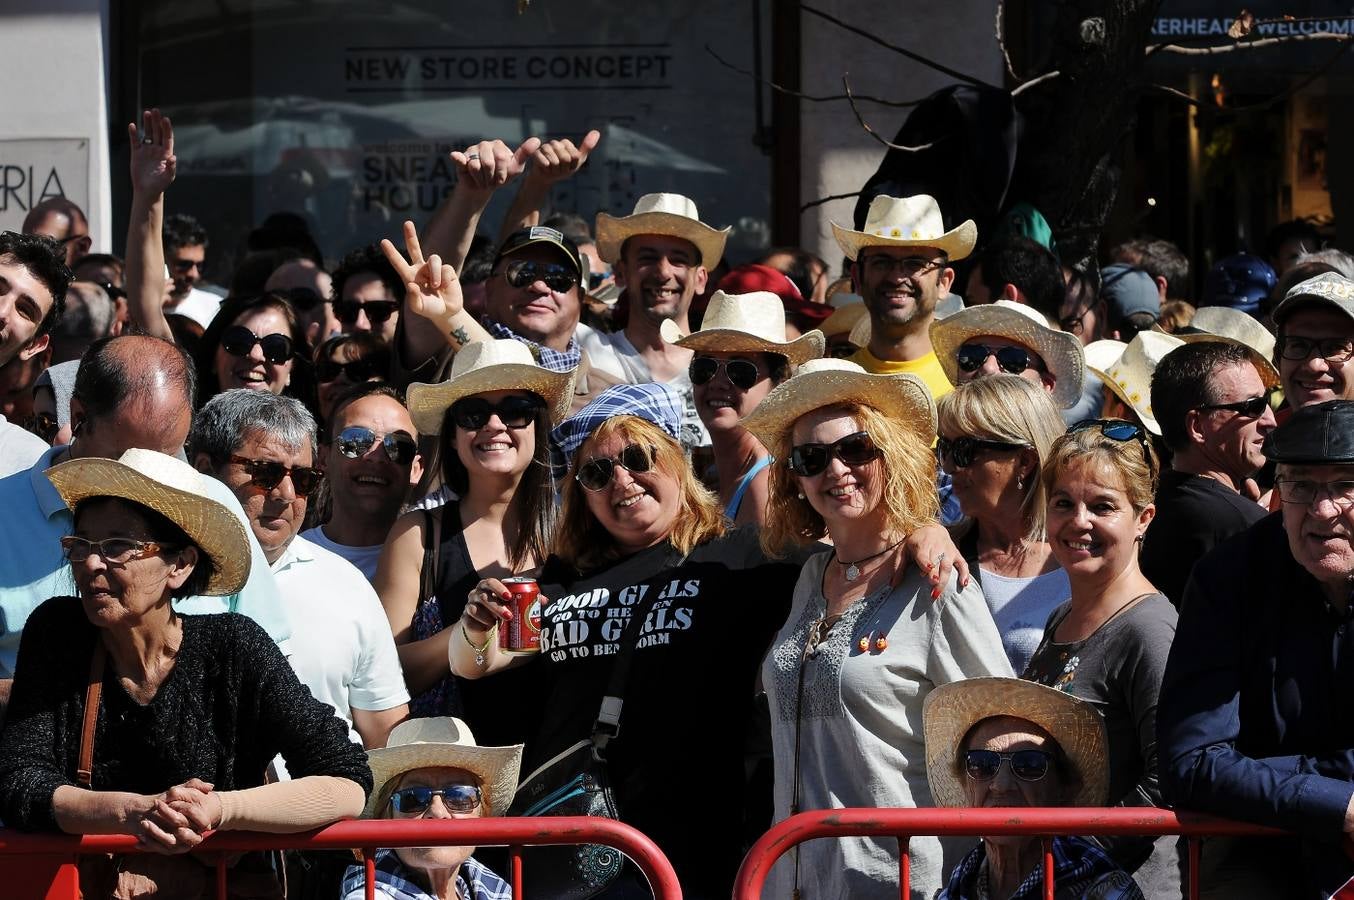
(431, 287)
(556, 160)
(489, 165)
(153, 165)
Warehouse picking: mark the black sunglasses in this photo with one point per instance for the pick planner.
(461, 798)
(742, 373)
(516, 411)
(1012, 360)
(1118, 430)
(963, 450)
(1027, 765)
(374, 366)
(596, 474)
(267, 474)
(239, 341)
(522, 273)
(1251, 408)
(355, 440)
(853, 450)
(44, 425)
(378, 311)
(114, 292)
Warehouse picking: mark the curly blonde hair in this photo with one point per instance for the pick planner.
(582, 542)
(1134, 461)
(909, 483)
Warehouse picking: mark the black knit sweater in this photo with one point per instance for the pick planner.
(230, 704)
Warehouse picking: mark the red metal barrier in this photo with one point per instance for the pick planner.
(1046, 823)
(42, 866)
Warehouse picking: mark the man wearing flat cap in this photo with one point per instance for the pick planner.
(1256, 716)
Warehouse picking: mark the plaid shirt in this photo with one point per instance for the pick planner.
(554, 360)
(1080, 870)
(394, 879)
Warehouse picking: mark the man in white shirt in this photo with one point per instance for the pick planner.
(185, 243)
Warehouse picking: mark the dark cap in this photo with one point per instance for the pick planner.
(1318, 435)
(540, 234)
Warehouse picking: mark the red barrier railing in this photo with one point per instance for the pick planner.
(1046, 823)
(42, 866)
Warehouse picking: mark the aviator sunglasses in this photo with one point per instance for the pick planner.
(1012, 360)
(378, 311)
(853, 450)
(742, 373)
(525, 272)
(1027, 765)
(461, 798)
(267, 474)
(473, 413)
(239, 341)
(596, 474)
(1118, 430)
(355, 440)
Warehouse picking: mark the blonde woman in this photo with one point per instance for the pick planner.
(995, 434)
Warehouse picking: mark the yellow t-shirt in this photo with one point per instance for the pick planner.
(927, 368)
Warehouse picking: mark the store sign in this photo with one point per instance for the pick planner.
(39, 169)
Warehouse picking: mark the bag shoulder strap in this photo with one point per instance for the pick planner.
(432, 550)
(85, 773)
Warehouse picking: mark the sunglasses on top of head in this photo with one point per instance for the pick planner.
(515, 411)
(596, 474)
(1012, 360)
(813, 459)
(268, 474)
(1118, 430)
(239, 341)
(742, 373)
(522, 273)
(356, 440)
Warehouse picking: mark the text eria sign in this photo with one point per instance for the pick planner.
(37, 169)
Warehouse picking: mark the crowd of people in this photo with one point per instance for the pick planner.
(961, 527)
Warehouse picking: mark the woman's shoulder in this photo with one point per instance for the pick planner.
(228, 636)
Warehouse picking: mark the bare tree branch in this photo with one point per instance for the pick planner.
(1021, 88)
(910, 54)
(828, 199)
(819, 98)
(1249, 45)
(1263, 104)
(1179, 95)
(870, 131)
(1001, 39)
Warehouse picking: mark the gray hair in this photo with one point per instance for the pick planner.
(221, 426)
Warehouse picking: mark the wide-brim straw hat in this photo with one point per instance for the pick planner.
(176, 491)
(828, 382)
(483, 366)
(1129, 376)
(1060, 351)
(1222, 323)
(669, 214)
(746, 323)
(845, 316)
(952, 709)
(907, 222)
(443, 741)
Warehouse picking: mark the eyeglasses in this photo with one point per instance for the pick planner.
(516, 411)
(819, 631)
(44, 425)
(1012, 360)
(522, 273)
(1075, 324)
(326, 370)
(912, 266)
(742, 373)
(355, 440)
(853, 450)
(963, 450)
(378, 311)
(1305, 492)
(596, 474)
(268, 474)
(239, 341)
(1251, 408)
(1118, 430)
(1335, 350)
(111, 550)
(461, 798)
(112, 290)
(1027, 765)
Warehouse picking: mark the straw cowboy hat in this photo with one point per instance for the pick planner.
(482, 366)
(748, 323)
(907, 222)
(1129, 375)
(669, 214)
(1060, 351)
(826, 382)
(1222, 323)
(951, 710)
(176, 491)
(442, 741)
(848, 309)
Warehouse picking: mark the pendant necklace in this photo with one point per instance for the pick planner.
(853, 568)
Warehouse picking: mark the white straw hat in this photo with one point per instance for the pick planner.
(1060, 351)
(907, 222)
(443, 741)
(845, 316)
(669, 214)
(1130, 375)
(826, 382)
(951, 710)
(176, 491)
(1222, 323)
(750, 323)
(482, 366)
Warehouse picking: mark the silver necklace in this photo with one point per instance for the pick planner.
(853, 568)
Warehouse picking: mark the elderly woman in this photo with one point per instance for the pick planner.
(742, 353)
(995, 433)
(128, 718)
(1006, 742)
(866, 639)
(433, 769)
(1108, 643)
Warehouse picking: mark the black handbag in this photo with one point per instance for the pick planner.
(575, 783)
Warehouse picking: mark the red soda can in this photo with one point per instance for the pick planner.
(522, 634)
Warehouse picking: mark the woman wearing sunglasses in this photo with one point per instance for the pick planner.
(741, 354)
(995, 434)
(345, 360)
(1006, 742)
(1108, 643)
(493, 416)
(255, 342)
(867, 638)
